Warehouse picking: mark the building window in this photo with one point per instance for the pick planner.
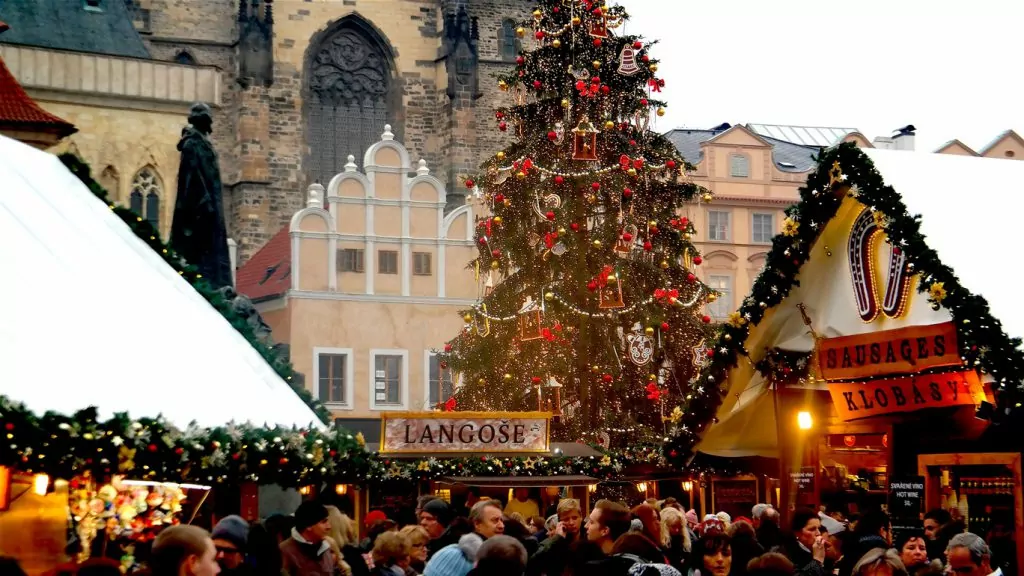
(146, 188)
(333, 375)
(510, 45)
(111, 182)
(722, 307)
(387, 262)
(388, 379)
(421, 263)
(439, 382)
(718, 226)
(93, 5)
(739, 166)
(185, 58)
(350, 259)
(763, 228)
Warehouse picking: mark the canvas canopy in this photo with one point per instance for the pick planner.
(969, 209)
(91, 316)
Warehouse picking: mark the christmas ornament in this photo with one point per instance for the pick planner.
(599, 24)
(610, 296)
(584, 141)
(530, 320)
(641, 346)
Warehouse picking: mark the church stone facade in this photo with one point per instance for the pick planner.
(308, 82)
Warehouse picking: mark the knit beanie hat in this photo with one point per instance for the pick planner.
(691, 516)
(373, 517)
(308, 514)
(455, 559)
(438, 509)
(234, 529)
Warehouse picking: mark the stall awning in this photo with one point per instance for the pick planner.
(521, 481)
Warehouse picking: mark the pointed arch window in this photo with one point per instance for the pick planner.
(145, 198)
(111, 182)
(508, 41)
(185, 58)
(352, 94)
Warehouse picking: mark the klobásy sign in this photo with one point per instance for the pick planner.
(888, 396)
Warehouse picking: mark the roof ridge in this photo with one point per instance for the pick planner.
(17, 107)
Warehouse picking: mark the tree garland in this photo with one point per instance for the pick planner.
(145, 231)
(846, 170)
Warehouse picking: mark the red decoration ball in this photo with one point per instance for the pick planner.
(670, 164)
(648, 246)
(592, 285)
(447, 347)
(499, 114)
(638, 45)
(698, 260)
(597, 41)
(706, 319)
(469, 184)
(483, 240)
(643, 102)
(596, 186)
(179, 450)
(664, 325)
(595, 80)
(710, 352)
(550, 215)
(502, 126)
(559, 180)
(283, 460)
(535, 379)
(580, 84)
(597, 11)
(527, 164)
(151, 447)
(632, 142)
(605, 89)
(607, 377)
(496, 253)
(645, 58)
(691, 278)
(9, 426)
(520, 60)
(552, 136)
(537, 85)
(627, 237)
(627, 192)
(236, 455)
(555, 10)
(575, 227)
(540, 34)
(499, 198)
(684, 221)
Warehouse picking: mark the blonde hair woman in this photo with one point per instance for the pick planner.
(390, 554)
(342, 534)
(418, 540)
(675, 536)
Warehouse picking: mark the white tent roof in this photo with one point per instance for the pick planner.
(90, 315)
(968, 207)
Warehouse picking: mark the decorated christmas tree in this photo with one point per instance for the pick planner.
(591, 306)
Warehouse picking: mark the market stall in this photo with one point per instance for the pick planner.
(862, 363)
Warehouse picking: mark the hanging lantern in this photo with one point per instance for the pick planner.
(599, 24)
(529, 321)
(610, 296)
(627, 241)
(481, 324)
(584, 144)
(627, 61)
(556, 406)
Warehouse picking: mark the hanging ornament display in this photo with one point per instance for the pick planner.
(641, 346)
(599, 24)
(610, 295)
(584, 145)
(627, 61)
(701, 359)
(529, 321)
(627, 240)
(481, 324)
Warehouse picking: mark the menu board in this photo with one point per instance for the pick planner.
(734, 496)
(906, 501)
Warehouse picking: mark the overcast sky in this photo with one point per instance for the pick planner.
(952, 68)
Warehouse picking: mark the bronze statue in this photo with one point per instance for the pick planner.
(198, 233)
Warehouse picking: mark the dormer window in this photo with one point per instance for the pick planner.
(93, 5)
(739, 166)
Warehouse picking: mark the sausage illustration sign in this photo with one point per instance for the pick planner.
(450, 432)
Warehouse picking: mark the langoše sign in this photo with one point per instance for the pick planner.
(863, 400)
(491, 432)
(901, 351)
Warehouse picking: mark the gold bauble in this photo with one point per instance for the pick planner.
(664, 264)
(652, 377)
(497, 220)
(561, 231)
(508, 202)
(500, 155)
(494, 264)
(575, 20)
(660, 112)
(728, 337)
(565, 102)
(596, 64)
(597, 243)
(503, 85)
(653, 67)
(706, 197)
(595, 368)
(468, 318)
(712, 297)
(591, 198)
(609, 125)
(520, 32)
(537, 14)
(520, 175)
(556, 43)
(650, 332)
(686, 235)
(631, 171)
(507, 377)
(612, 278)
(481, 381)
(652, 224)
(549, 296)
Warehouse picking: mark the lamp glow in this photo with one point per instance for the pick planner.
(687, 486)
(341, 489)
(804, 421)
(40, 484)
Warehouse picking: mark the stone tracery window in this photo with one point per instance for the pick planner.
(350, 97)
(509, 42)
(145, 197)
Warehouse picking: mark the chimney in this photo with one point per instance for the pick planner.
(903, 139)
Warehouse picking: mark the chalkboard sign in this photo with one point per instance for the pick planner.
(734, 496)
(906, 501)
(802, 482)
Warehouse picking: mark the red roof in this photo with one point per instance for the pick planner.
(268, 273)
(18, 110)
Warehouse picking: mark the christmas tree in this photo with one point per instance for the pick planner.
(591, 307)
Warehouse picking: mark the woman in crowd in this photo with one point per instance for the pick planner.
(880, 562)
(712, 555)
(343, 534)
(418, 540)
(912, 549)
(390, 554)
(676, 537)
(744, 546)
(805, 546)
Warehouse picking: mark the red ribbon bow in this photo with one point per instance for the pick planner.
(653, 393)
(656, 84)
(666, 297)
(602, 278)
(549, 240)
(449, 405)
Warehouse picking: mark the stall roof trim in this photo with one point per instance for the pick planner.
(522, 481)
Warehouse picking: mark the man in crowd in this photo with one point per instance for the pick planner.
(500, 556)
(554, 552)
(434, 517)
(969, 555)
(934, 520)
(306, 553)
(184, 551)
(523, 504)
(606, 523)
(229, 537)
(486, 518)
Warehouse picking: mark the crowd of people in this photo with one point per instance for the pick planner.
(655, 538)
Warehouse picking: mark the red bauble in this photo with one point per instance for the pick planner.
(627, 192)
(632, 142)
(499, 198)
(643, 101)
(710, 352)
(580, 85)
(664, 326)
(496, 253)
(670, 164)
(648, 246)
(535, 379)
(684, 221)
(469, 184)
(691, 278)
(706, 319)
(596, 186)
(626, 236)
(597, 11)
(555, 10)
(151, 447)
(638, 163)
(698, 260)
(483, 240)
(575, 227)
(527, 164)
(179, 450)
(552, 136)
(236, 455)
(447, 347)
(645, 58)
(605, 89)
(638, 45)
(550, 215)
(499, 115)
(592, 285)
(520, 60)
(9, 426)
(502, 126)
(559, 180)
(597, 41)
(537, 85)
(540, 34)
(607, 377)
(283, 460)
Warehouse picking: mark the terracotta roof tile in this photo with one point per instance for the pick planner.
(18, 110)
(269, 272)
